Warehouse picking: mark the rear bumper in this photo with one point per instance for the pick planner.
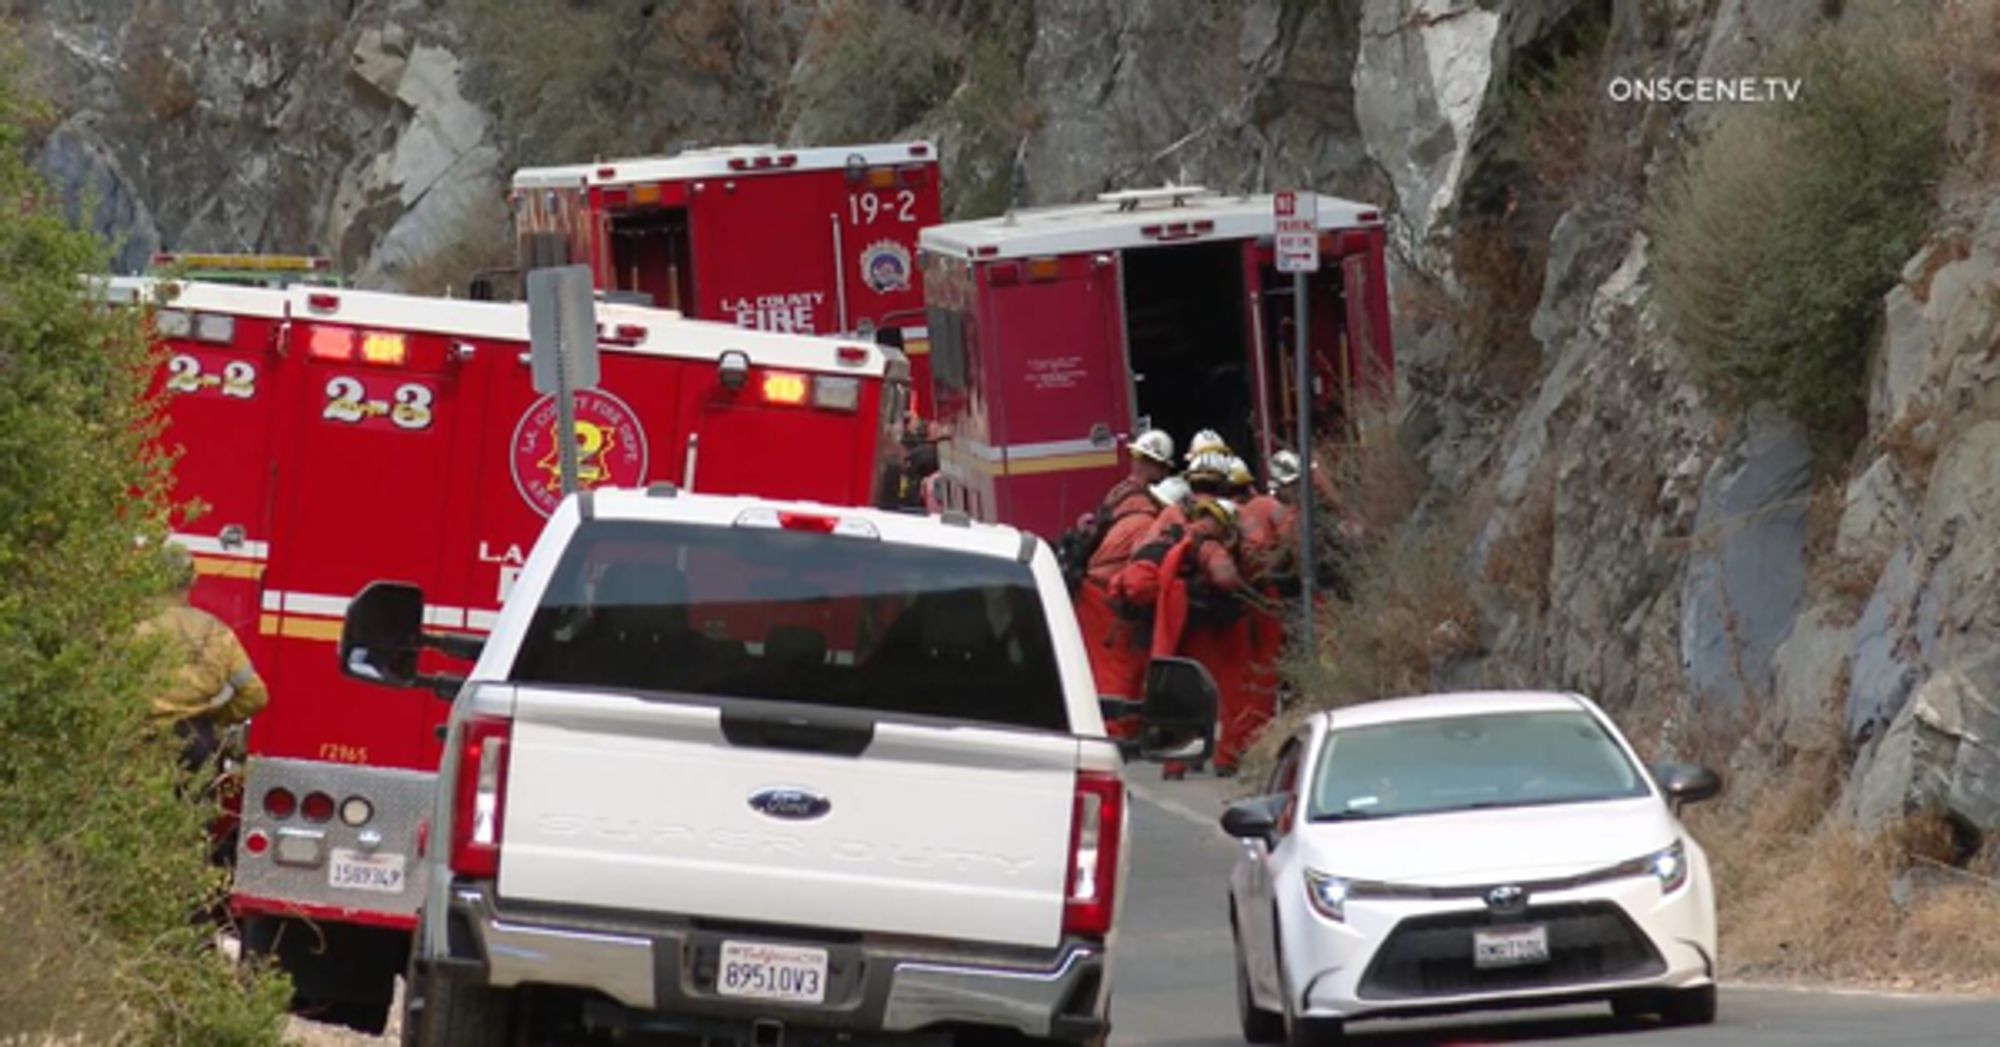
(665, 967)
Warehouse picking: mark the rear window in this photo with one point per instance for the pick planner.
(746, 612)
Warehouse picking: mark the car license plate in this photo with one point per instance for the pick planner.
(354, 871)
(1510, 946)
(772, 972)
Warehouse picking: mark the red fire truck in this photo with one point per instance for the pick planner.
(340, 436)
(808, 240)
(1058, 333)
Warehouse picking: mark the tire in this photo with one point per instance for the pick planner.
(465, 1015)
(1689, 1006)
(1258, 1024)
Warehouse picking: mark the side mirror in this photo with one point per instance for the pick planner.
(1178, 719)
(1687, 783)
(1253, 819)
(383, 635)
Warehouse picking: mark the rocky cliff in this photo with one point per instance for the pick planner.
(1706, 565)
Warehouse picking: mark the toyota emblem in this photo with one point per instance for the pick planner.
(1507, 898)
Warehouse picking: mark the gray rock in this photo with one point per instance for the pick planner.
(1908, 343)
(1940, 752)
(1883, 669)
(1875, 511)
(1746, 579)
(1806, 670)
(1583, 247)
(85, 174)
(1420, 84)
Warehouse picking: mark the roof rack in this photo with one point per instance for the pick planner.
(1169, 195)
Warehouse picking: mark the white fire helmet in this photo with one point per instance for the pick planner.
(1208, 441)
(1154, 445)
(1210, 464)
(1284, 469)
(1239, 472)
(1171, 491)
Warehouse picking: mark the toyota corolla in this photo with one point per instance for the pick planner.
(1459, 852)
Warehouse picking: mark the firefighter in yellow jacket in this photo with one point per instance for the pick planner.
(212, 685)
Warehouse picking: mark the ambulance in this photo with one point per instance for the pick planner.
(1057, 334)
(336, 436)
(819, 241)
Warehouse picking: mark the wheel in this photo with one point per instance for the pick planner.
(464, 1015)
(1689, 1006)
(1259, 1025)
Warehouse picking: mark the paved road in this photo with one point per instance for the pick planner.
(1173, 977)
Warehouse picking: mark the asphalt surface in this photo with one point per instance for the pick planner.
(1173, 989)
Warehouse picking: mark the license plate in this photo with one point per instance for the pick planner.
(1510, 946)
(772, 972)
(354, 871)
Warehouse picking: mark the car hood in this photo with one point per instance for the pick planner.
(1479, 847)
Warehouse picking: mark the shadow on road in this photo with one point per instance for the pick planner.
(1538, 1028)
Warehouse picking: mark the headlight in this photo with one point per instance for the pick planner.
(1670, 866)
(1328, 894)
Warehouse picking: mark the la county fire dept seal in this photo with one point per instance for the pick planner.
(610, 448)
(885, 266)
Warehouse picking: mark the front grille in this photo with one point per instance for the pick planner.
(1432, 955)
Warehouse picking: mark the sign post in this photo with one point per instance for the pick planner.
(1296, 215)
(562, 341)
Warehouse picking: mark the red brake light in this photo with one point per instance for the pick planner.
(322, 303)
(607, 172)
(317, 807)
(480, 790)
(617, 196)
(630, 333)
(920, 149)
(1003, 274)
(808, 522)
(256, 842)
(280, 803)
(852, 355)
(331, 343)
(1096, 833)
(784, 387)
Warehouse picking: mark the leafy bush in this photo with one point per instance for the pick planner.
(91, 811)
(1784, 227)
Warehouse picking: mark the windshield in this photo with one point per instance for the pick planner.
(744, 612)
(1470, 762)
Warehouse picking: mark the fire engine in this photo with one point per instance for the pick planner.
(1057, 333)
(807, 240)
(338, 436)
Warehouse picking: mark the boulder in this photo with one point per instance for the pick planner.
(1806, 675)
(1942, 752)
(1745, 580)
(1883, 669)
(1874, 511)
(1420, 82)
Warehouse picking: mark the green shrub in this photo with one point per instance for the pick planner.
(91, 814)
(1786, 224)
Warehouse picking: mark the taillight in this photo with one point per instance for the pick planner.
(383, 347)
(280, 803)
(1097, 824)
(316, 807)
(784, 387)
(477, 813)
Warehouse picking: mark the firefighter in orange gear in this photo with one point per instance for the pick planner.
(1152, 459)
(1269, 544)
(1117, 642)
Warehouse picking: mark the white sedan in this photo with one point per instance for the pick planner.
(1460, 852)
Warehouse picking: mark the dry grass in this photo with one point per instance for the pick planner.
(1912, 440)
(52, 982)
(1502, 279)
(1520, 559)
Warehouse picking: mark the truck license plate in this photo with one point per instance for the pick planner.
(772, 972)
(354, 871)
(1510, 946)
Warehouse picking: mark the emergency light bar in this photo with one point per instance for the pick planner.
(269, 263)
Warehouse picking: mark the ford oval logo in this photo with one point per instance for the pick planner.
(790, 803)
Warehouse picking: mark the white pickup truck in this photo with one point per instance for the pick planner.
(771, 773)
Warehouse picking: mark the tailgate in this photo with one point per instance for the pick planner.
(621, 802)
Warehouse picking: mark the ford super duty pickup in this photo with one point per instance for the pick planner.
(770, 773)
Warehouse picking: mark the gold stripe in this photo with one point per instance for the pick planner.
(1062, 463)
(300, 628)
(217, 568)
(919, 347)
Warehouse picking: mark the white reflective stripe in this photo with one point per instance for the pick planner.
(1052, 448)
(444, 617)
(313, 603)
(211, 545)
(485, 620)
(916, 332)
(984, 451)
(274, 600)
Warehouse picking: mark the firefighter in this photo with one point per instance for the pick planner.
(213, 686)
(1198, 612)
(1267, 543)
(1152, 460)
(1208, 441)
(1242, 482)
(1116, 642)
